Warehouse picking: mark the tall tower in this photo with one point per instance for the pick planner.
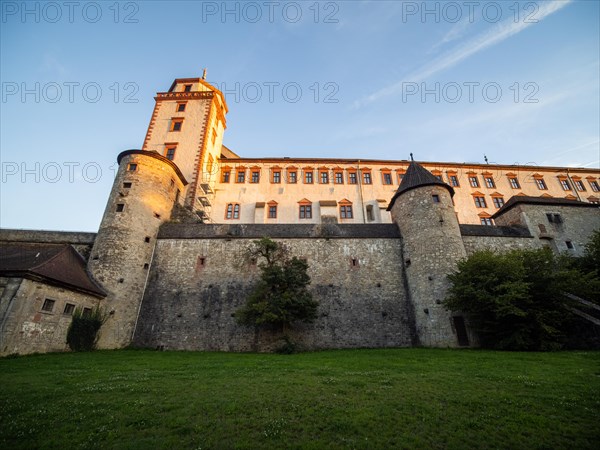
(187, 127)
(431, 245)
(146, 188)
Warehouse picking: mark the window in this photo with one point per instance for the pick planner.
(176, 124)
(120, 207)
(306, 211)
(69, 308)
(498, 202)
(87, 312)
(401, 176)
(514, 183)
(541, 184)
(147, 239)
(387, 178)
(255, 176)
(241, 175)
(489, 182)
(170, 153)
(346, 212)
(473, 181)
(569, 245)
(127, 185)
(439, 177)
(272, 211)
(435, 198)
(480, 202)
(339, 178)
(554, 218)
(277, 176)
(324, 176)
(48, 305)
(564, 183)
(594, 186)
(187, 88)
(454, 180)
(292, 177)
(366, 177)
(579, 185)
(370, 215)
(225, 176)
(232, 211)
(181, 107)
(486, 221)
(308, 177)
(352, 178)
(132, 167)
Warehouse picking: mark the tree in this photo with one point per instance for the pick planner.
(514, 300)
(281, 296)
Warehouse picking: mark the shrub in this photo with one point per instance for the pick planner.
(83, 330)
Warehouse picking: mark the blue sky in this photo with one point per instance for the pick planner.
(447, 81)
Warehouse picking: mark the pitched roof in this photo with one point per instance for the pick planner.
(57, 264)
(417, 176)
(550, 201)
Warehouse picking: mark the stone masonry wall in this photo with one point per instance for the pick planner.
(497, 238)
(196, 285)
(498, 244)
(576, 225)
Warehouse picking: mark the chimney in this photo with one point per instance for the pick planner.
(204, 74)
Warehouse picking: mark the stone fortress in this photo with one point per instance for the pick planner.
(379, 237)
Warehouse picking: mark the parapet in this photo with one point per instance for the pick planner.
(293, 231)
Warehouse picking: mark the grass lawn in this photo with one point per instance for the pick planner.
(392, 398)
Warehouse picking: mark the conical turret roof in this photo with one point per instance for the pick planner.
(417, 176)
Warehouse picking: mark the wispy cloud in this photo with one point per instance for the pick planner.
(557, 156)
(497, 34)
(456, 32)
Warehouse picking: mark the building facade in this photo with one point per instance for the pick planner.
(380, 237)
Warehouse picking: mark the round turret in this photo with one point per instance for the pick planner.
(146, 188)
(432, 245)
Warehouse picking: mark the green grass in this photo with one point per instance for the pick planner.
(396, 398)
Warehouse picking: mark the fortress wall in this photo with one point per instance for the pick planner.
(190, 301)
(497, 238)
(498, 243)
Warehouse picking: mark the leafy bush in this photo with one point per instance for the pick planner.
(516, 300)
(83, 330)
